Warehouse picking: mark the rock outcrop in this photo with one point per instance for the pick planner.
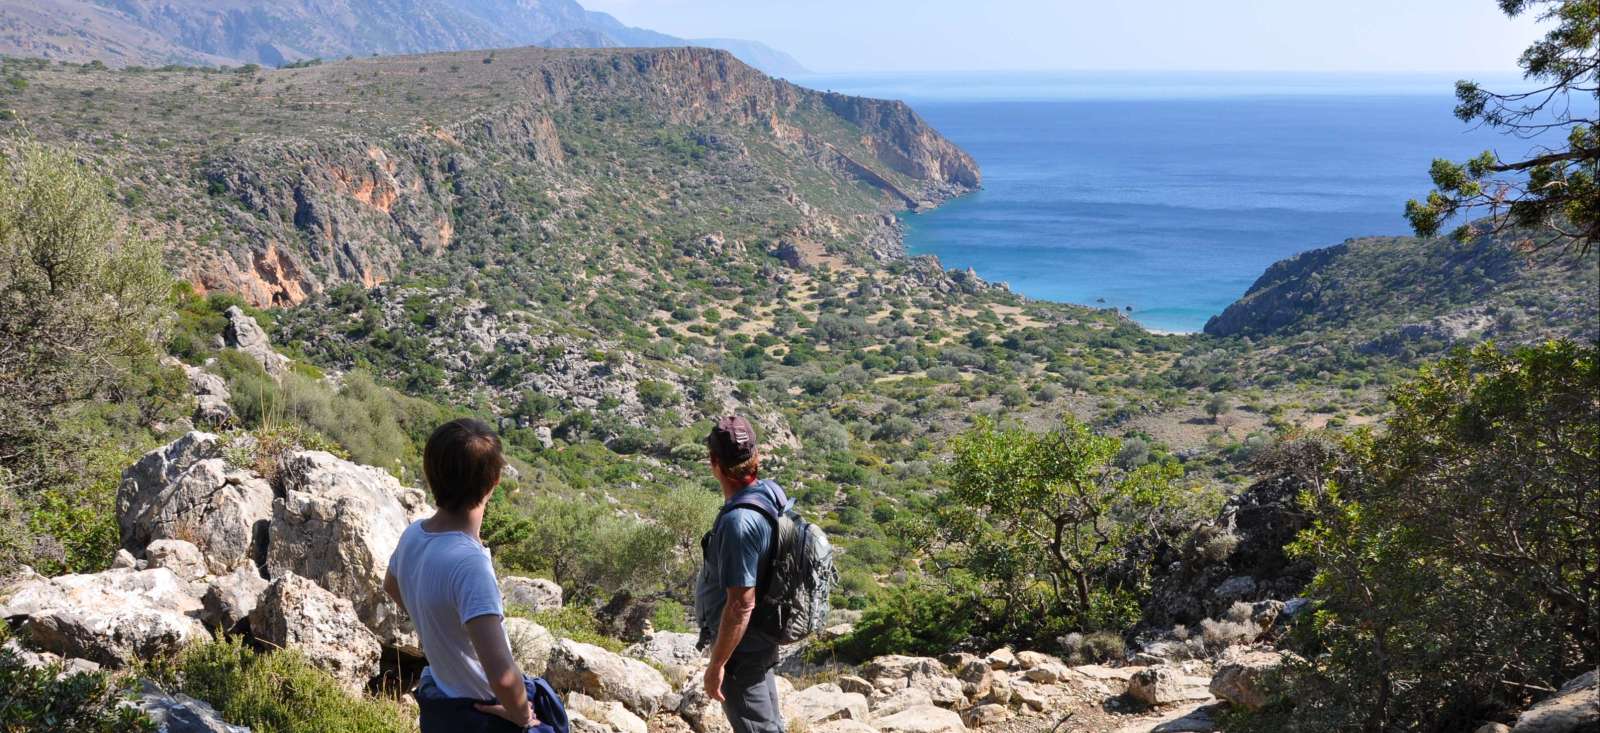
(606, 676)
(186, 491)
(337, 523)
(1575, 708)
(114, 617)
(1242, 675)
(531, 594)
(178, 713)
(243, 333)
(296, 613)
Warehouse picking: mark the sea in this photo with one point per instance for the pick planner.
(1166, 195)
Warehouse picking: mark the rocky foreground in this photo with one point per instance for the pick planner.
(296, 558)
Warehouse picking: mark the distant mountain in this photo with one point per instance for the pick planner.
(277, 32)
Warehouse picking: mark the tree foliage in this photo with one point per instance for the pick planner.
(1458, 567)
(79, 303)
(1554, 187)
(1038, 525)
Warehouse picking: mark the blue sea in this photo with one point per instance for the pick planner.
(1171, 193)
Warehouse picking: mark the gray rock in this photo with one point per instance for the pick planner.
(185, 491)
(337, 523)
(243, 333)
(824, 702)
(1241, 675)
(586, 668)
(114, 617)
(177, 713)
(1574, 709)
(1165, 685)
(211, 397)
(667, 648)
(297, 613)
(922, 719)
(230, 598)
(987, 715)
(531, 645)
(182, 558)
(612, 716)
(533, 594)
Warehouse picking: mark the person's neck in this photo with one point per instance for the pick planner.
(469, 522)
(731, 487)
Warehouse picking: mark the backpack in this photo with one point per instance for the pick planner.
(792, 601)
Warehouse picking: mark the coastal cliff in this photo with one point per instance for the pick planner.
(379, 164)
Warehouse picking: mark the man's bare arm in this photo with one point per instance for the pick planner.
(735, 621)
(488, 635)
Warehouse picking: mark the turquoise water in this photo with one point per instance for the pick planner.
(1171, 194)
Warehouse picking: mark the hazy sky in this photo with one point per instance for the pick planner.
(1269, 35)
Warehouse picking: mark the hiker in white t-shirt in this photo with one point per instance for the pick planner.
(442, 576)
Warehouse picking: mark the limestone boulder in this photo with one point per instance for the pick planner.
(337, 523)
(182, 558)
(605, 676)
(178, 713)
(229, 599)
(924, 673)
(113, 617)
(922, 719)
(211, 396)
(843, 726)
(667, 649)
(1241, 677)
(531, 645)
(613, 716)
(1573, 709)
(1002, 658)
(899, 700)
(532, 594)
(186, 491)
(243, 333)
(824, 702)
(1163, 685)
(297, 613)
(987, 715)
(1029, 660)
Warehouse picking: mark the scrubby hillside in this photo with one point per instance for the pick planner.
(1389, 294)
(278, 184)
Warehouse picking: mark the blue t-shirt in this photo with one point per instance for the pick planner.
(736, 556)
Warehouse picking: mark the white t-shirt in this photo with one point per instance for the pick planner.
(447, 579)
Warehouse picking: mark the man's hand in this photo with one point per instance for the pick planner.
(714, 682)
(522, 719)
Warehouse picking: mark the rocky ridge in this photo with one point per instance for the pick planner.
(345, 192)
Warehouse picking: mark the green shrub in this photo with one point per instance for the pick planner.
(1455, 551)
(576, 623)
(36, 701)
(911, 619)
(281, 692)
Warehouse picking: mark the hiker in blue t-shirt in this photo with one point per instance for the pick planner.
(737, 553)
(442, 576)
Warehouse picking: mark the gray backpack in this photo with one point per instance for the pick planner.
(792, 600)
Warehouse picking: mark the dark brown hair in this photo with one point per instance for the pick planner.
(462, 463)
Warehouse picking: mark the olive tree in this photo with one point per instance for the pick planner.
(79, 301)
(1042, 521)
